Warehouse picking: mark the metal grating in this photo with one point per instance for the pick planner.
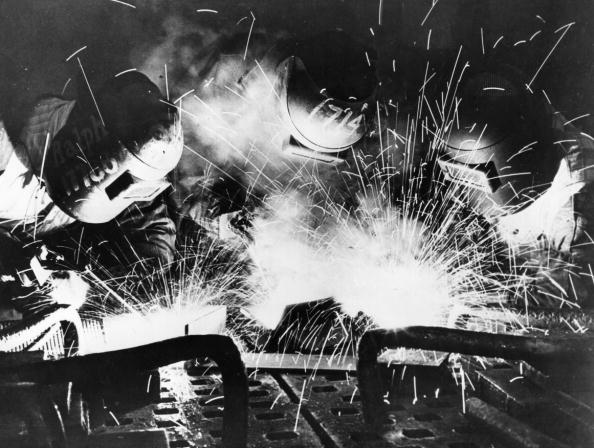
(331, 402)
(272, 414)
(190, 410)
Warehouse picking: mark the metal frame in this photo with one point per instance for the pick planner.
(100, 368)
(537, 351)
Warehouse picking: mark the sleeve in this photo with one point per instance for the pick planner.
(141, 237)
(571, 243)
(6, 148)
(149, 230)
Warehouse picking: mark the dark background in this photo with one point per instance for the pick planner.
(36, 36)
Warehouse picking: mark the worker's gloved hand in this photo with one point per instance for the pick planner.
(67, 288)
(211, 198)
(33, 277)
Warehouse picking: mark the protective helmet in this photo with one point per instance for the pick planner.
(107, 157)
(327, 86)
(500, 145)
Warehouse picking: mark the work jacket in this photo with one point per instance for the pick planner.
(552, 239)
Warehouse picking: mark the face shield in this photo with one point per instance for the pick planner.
(321, 127)
(500, 147)
(93, 172)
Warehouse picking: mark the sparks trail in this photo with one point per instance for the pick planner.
(75, 53)
(125, 71)
(433, 5)
(249, 35)
(123, 3)
(90, 90)
(165, 302)
(565, 29)
(380, 12)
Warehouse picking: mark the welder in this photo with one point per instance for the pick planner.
(87, 177)
(530, 172)
(314, 99)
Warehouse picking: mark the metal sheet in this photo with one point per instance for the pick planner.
(288, 361)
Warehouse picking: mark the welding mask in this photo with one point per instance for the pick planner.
(500, 145)
(113, 154)
(326, 92)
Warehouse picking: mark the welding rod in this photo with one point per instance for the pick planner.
(100, 368)
(538, 351)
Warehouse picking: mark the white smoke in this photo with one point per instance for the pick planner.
(228, 85)
(376, 261)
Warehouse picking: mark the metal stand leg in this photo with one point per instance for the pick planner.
(370, 379)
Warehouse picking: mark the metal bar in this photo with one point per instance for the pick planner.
(101, 367)
(296, 361)
(535, 350)
(484, 344)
